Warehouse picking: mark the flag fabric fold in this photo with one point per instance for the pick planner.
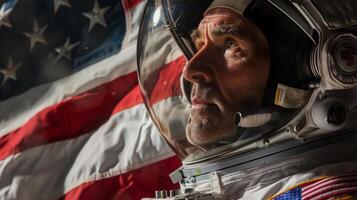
(72, 120)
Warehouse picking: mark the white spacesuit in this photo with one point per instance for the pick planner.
(295, 140)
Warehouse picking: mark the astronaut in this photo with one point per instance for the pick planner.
(266, 102)
(228, 73)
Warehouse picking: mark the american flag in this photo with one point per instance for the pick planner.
(72, 120)
(337, 187)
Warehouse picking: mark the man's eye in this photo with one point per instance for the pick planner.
(230, 43)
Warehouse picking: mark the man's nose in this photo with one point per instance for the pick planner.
(199, 69)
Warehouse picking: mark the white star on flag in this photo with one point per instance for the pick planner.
(9, 71)
(36, 35)
(96, 16)
(59, 3)
(4, 17)
(65, 50)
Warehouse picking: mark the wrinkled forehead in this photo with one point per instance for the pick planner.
(221, 16)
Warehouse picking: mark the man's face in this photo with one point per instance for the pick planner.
(228, 74)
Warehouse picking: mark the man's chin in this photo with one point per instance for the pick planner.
(206, 133)
(199, 140)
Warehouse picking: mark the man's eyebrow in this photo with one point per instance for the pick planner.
(228, 29)
(220, 30)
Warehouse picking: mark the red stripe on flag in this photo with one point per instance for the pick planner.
(337, 193)
(328, 188)
(133, 98)
(323, 181)
(167, 85)
(68, 119)
(325, 185)
(168, 81)
(136, 184)
(133, 3)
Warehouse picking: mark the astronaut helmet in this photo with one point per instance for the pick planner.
(221, 78)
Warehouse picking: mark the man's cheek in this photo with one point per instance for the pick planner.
(233, 90)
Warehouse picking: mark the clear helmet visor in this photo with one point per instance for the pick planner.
(210, 80)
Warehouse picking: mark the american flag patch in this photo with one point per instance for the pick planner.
(339, 187)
